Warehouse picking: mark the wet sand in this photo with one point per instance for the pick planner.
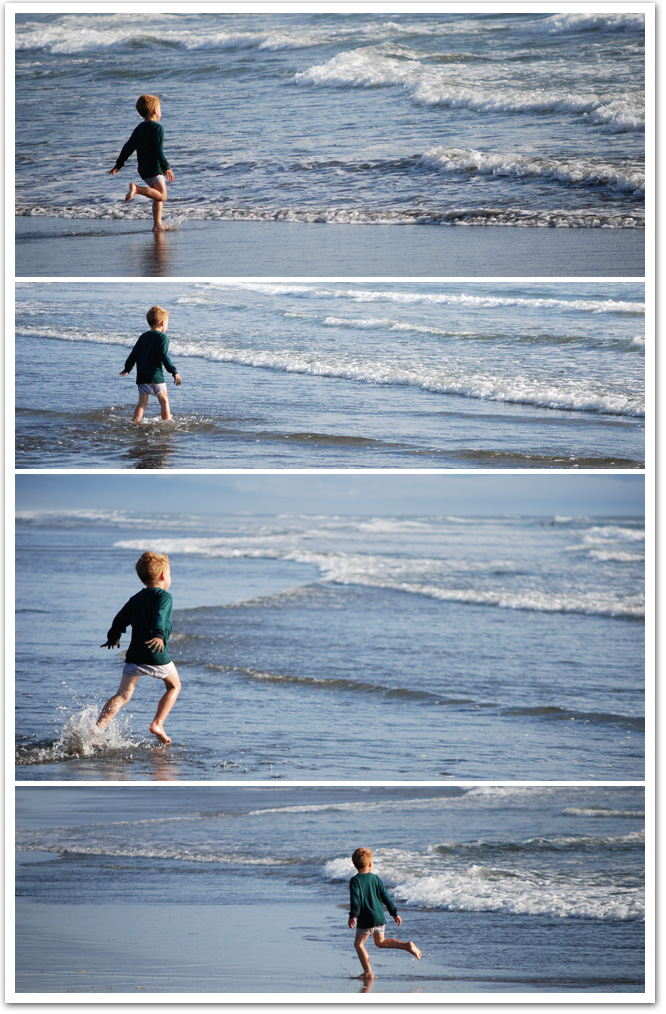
(132, 951)
(269, 950)
(116, 248)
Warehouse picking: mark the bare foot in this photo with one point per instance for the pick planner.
(158, 731)
(413, 949)
(159, 228)
(366, 976)
(130, 193)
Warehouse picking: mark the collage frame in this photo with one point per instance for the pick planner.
(17, 476)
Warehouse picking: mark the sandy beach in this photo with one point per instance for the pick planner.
(135, 951)
(69, 247)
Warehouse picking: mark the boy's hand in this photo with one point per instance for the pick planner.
(111, 644)
(123, 373)
(112, 172)
(397, 919)
(156, 644)
(170, 176)
(177, 379)
(351, 923)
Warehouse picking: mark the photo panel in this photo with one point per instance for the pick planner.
(340, 374)
(237, 892)
(342, 626)
(332, 141)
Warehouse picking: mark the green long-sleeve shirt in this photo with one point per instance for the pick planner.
(367, 897)
(147, 140)
(149, 353)
(149, 614)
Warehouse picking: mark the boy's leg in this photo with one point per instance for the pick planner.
(163, 399)
(119, 699)
(398, 945)
(157, 213)
(359, 943)
(167, 701)
(157, 194)
(154, 193)
(141, 407)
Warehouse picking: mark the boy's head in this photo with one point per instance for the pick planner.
(151, 566)
(362, 859)
(147, 105)
(157, 317)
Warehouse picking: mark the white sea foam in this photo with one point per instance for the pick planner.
(560, 218)
(76, 34)
(470, 299)
(80, 738)
(576, 171)
(447, 379)
(601, 534)
(428, 86)
(617, 556)
(490, 889)
(562, 23)
(485, 888)
(413, 577)
(176, 854)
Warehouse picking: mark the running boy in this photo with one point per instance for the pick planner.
(149, 614)
(367, 897)
(149, 353)
(147, 141)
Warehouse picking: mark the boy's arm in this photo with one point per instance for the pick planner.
(160, 622)
(120, 623)
(125, 153)
(129, 362)
(388, 901)
(167, 361)
(161, 157)
(354, 902)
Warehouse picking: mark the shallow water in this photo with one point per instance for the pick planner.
(405, 375)
(531, 890)
(372, 648)
(525, 119)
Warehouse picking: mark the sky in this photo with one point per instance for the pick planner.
(346, 493)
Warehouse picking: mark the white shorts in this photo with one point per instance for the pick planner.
(155, 389)
(154, 181)
(160, 672)
(373, 929)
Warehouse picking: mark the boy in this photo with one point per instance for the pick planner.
(150, 351)
(367, 897)
(149, 614)
(147, 140)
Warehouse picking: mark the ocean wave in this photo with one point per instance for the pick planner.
(425, 86)
(601, 534)
(541, 844)
(174, 854)
(413, 577)
(559, 218)
(562, 23)
(75, 35)
(601, 812)
(485, 888)
(576, 172)
(573, 396)
(467, 299)
(347, 685)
